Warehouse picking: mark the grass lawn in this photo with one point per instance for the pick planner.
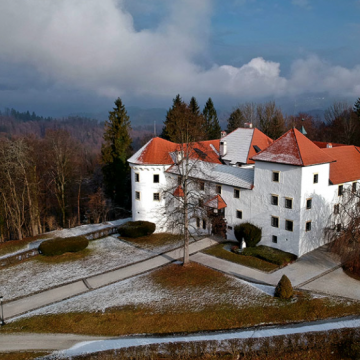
(22, 355)
(66, 257)
(11, 246)
(156, 241)
(250, 261)
(269, 254)
(185, 299)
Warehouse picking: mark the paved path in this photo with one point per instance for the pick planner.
(318, 271)
(47, 297)
(89, 347)
(37, 342)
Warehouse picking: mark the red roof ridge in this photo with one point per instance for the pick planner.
(293, 129)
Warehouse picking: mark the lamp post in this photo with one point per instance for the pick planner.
(2, 311)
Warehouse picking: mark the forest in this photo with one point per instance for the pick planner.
(66, 172)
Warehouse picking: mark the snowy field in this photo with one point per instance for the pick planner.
(32, 276)
(142, 290)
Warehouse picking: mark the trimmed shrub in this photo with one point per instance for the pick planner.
(135, 229)
(284, 289)
(59, 246)
(249, 232)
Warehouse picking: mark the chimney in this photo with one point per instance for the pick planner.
(329, 145)
(248, 125)
(223, 148)
(223, 133)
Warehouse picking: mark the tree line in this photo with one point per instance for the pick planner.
(63, 173)
(341, 123)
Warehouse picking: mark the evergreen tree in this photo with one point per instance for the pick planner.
(114, 152)
(356, 108)
(212, 126)
(236, 120)
(194, 107)
(177, 102)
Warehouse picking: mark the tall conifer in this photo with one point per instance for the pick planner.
(115, 150)
(212, 125)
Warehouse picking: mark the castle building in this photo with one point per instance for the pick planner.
(290, 187)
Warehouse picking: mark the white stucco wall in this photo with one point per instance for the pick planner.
(289, 186)
(146, 208)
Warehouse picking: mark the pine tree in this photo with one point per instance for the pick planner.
(177, 102)
(194, 107)
(356, 108)
(212, 126)
(236, 120)
(114, 152)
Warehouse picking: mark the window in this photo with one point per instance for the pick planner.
(274, 239)
(179, 180)
(204, 224)
(218, 189)
(156, 196)
(201, 185)
(137, 177)
(288, 203)
(353, 187)
(308, 226)
(230, 227)
(289, 225)
(201, 203)
(238, 214)
(340, 190)
(197, 222)
(156, 178)
(316, 178)
(336, 209)
(137, 195)
(308, 204)
(275, 200)
(275, 221)
(338, 227)
(276, 176)
(236, 193)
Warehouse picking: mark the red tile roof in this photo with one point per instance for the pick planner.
(179, 192)
(216, 202)
(157, 152)
(323, 144)
(293, 148)
(260, 140)
(347, 165)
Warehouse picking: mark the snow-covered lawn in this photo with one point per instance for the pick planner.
(144, 290)
(32, 276)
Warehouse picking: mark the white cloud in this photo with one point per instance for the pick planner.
(93, 45)
(302, 3)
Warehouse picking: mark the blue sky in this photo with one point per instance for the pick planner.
(60, 57)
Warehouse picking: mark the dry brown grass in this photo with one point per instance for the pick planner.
(11, 246)
(67, 257)
(250, 261)
(154, 240)
(179, 317)
(26, 355)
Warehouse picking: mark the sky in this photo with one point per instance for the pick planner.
(64, 57)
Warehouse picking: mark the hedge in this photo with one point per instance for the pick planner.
(59, 246)
(249, 232)
(135, 229)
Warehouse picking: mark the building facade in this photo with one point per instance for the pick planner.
(288, 187)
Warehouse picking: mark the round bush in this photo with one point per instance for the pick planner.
(59, 246)
(284, 289)
(249, 232)
(135, 229)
